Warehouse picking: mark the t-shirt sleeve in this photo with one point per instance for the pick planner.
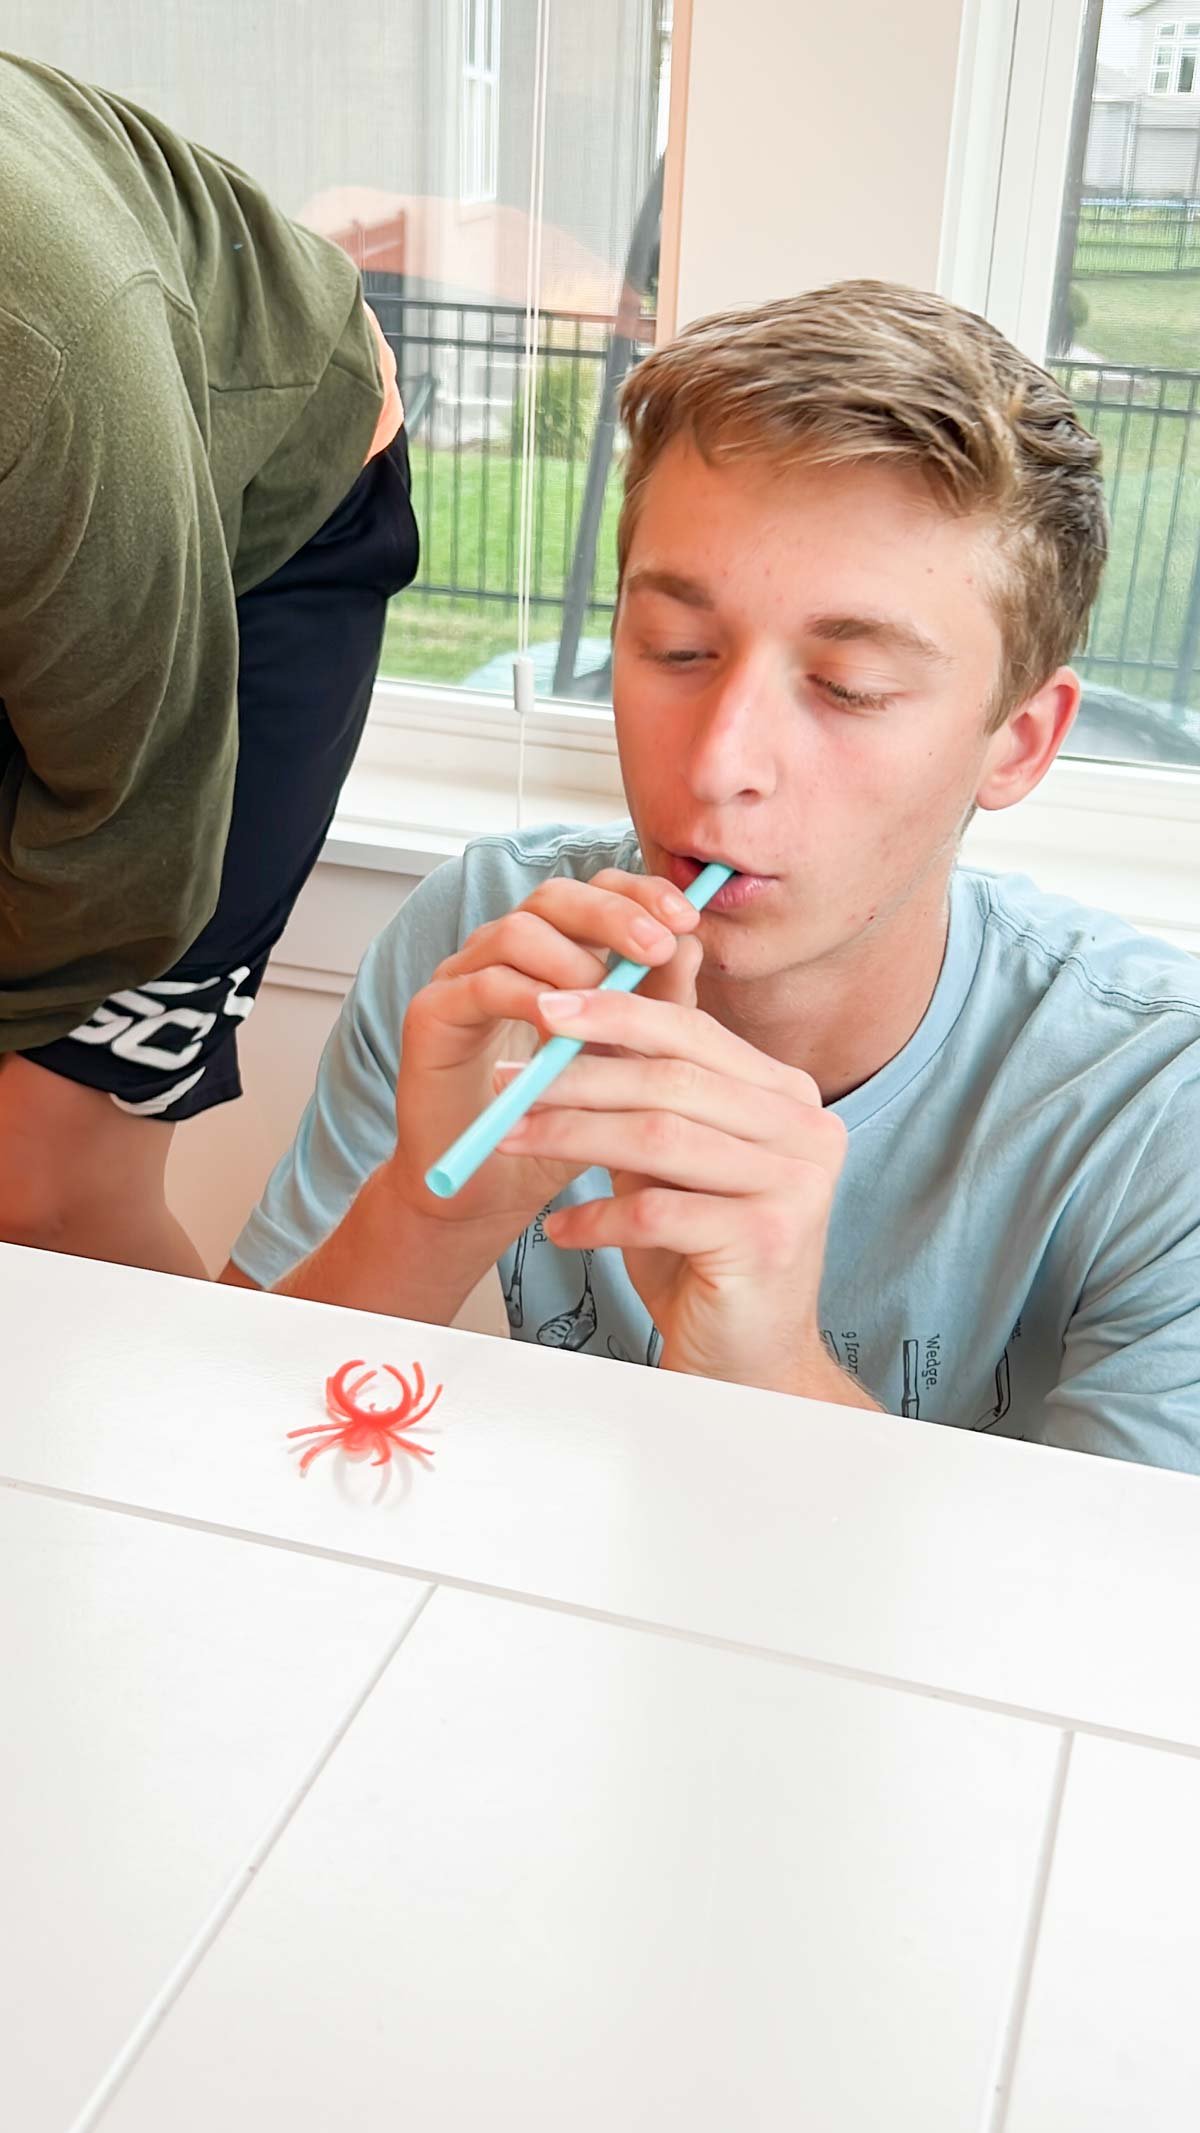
(118, 676)
(349, 1126)
(1129, 1386)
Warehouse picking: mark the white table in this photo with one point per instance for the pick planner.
(663, 1757)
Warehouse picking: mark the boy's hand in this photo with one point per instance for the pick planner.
(481, 1006)
(723, 1165)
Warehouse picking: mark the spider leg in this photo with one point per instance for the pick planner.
(344, 1400)
(420, 1412)
(324, 1446)
(335, 1387)
(319, 1429)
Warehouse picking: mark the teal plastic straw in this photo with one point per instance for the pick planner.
(460, 1162)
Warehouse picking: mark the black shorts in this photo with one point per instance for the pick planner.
(310, 638)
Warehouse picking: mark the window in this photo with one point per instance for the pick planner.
(1094, 269)
(480, 100)
(1176, 51)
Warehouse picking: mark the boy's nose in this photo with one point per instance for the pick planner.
(731, 749)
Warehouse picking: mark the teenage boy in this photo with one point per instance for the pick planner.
(879, 1128)
(204, 506)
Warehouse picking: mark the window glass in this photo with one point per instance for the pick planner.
(1125, 341)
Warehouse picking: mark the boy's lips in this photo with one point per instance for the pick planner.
(682, 868)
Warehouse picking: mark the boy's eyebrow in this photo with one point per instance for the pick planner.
(888, 634)
(668, 582)
(881, 630)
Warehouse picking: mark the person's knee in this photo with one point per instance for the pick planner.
(60, 1155)
(35, 1200)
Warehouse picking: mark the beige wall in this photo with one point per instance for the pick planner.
(817, 145)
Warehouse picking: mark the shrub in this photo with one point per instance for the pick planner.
(567, 392)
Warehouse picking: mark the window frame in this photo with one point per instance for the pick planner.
(1175, 40)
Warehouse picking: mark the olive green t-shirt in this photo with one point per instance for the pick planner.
(188, 386)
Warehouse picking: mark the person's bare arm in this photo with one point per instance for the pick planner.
(232, 1277)
(384, 1257)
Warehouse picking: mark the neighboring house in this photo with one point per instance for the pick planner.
(1145, 129)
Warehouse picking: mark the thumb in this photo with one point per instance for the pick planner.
(676, 981)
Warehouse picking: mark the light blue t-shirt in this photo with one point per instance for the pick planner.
(1015, 1240)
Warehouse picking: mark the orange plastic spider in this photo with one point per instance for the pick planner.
(357, 1428)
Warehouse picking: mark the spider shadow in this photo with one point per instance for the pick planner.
(395, 1475)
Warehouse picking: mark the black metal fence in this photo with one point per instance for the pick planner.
(1145, 631)
(461, 369)
(1135, 236)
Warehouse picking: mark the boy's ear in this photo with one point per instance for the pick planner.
(1021, 751)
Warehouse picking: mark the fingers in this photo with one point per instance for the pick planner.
(559, 939)
(682, 1153)
(738, 1236)
(656, 895)
(523, 942)
(669, 1029)
(495, 994)
(673, 1088)
(556, 933)
(676, 980)
(654, 1144)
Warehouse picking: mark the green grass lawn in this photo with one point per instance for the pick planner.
(1143, 318)
(467, 506)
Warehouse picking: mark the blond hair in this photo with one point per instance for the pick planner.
(868, 370)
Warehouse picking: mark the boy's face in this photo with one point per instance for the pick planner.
(803, 665)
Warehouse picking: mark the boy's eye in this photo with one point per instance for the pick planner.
(678, 656)
(857, 699)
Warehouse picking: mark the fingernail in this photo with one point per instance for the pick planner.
(677, 906)
(506, 1070)
(560, 1006)
(649, 932)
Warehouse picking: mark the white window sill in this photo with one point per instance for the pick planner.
(437, 767)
